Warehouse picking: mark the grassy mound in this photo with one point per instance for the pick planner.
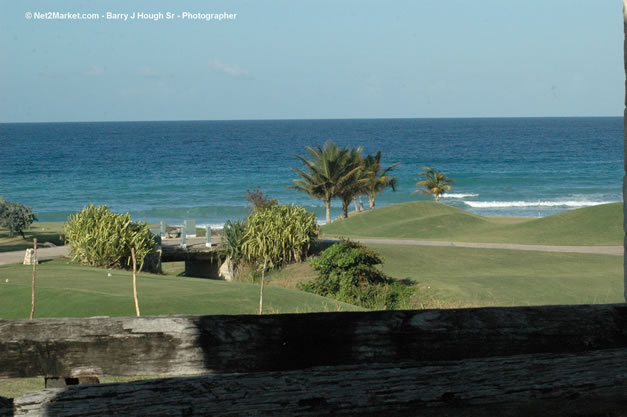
(469, 277)
(597, 225)
(67, 290)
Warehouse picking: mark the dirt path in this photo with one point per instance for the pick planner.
(598, 250)
(17, 257)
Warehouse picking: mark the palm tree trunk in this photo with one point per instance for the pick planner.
(355, 202)
(345, 207)
(371, 198)
(361, 203)
(327, 204)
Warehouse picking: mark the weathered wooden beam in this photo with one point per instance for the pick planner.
(585, 384)
(176, 345)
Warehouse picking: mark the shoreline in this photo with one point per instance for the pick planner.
(490, 212)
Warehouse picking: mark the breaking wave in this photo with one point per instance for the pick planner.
(459, 195)
(507, 204)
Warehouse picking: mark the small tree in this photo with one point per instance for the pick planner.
(435, 183)
(16, 217)
(99, 237)
(258, 200)
(376, 178)
(276, 236)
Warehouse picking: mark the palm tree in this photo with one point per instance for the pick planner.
(435, 183)
(375, 179)
(354, 184)
(326, 173)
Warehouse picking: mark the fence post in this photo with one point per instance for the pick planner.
(32, 294)
(135, 282)
(184, 237)
(163, 229)
(208, 236)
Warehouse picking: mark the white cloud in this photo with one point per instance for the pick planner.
(232, 70)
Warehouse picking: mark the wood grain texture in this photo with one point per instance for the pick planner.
(583, 384)
(176, 345)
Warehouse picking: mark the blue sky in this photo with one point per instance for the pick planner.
(313, 59)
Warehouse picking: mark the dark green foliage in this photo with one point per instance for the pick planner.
(348, 272)
(15, 217)
(99, 237)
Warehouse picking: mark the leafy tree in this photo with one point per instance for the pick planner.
(16, 217)
(375, 178)
(435, 183)
(327, 171)
(99, 237)
(276, 236)
(348, 272)
(258, 200)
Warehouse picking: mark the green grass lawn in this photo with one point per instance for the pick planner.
(44, 232)
(499, 277)
(67, 290)
(598, 225)
(467, 277)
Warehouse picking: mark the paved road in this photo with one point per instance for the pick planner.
(47, 253)
(599, 250)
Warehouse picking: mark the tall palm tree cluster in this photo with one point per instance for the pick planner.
(343, 173)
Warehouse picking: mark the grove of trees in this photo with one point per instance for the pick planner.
(333, 172)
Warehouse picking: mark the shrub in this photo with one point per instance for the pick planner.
(258, 200)
(278, 235)
(348, 272)
(232, 238)
(99, 237)
(15, 217)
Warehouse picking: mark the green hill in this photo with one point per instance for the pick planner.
(67, 290)
(597, 225)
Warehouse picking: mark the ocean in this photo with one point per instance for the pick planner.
(201, 170)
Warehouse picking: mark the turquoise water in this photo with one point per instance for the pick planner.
(202, 169)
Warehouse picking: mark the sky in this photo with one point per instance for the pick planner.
(311, 60)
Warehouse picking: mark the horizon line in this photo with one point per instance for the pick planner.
(315, 119)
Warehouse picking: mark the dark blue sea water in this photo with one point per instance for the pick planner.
(202, 169)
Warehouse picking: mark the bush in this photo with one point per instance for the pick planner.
(348, 272)
(232, 238)
(258, 200)
(16, 217)
(99, 237)
(278, 235)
